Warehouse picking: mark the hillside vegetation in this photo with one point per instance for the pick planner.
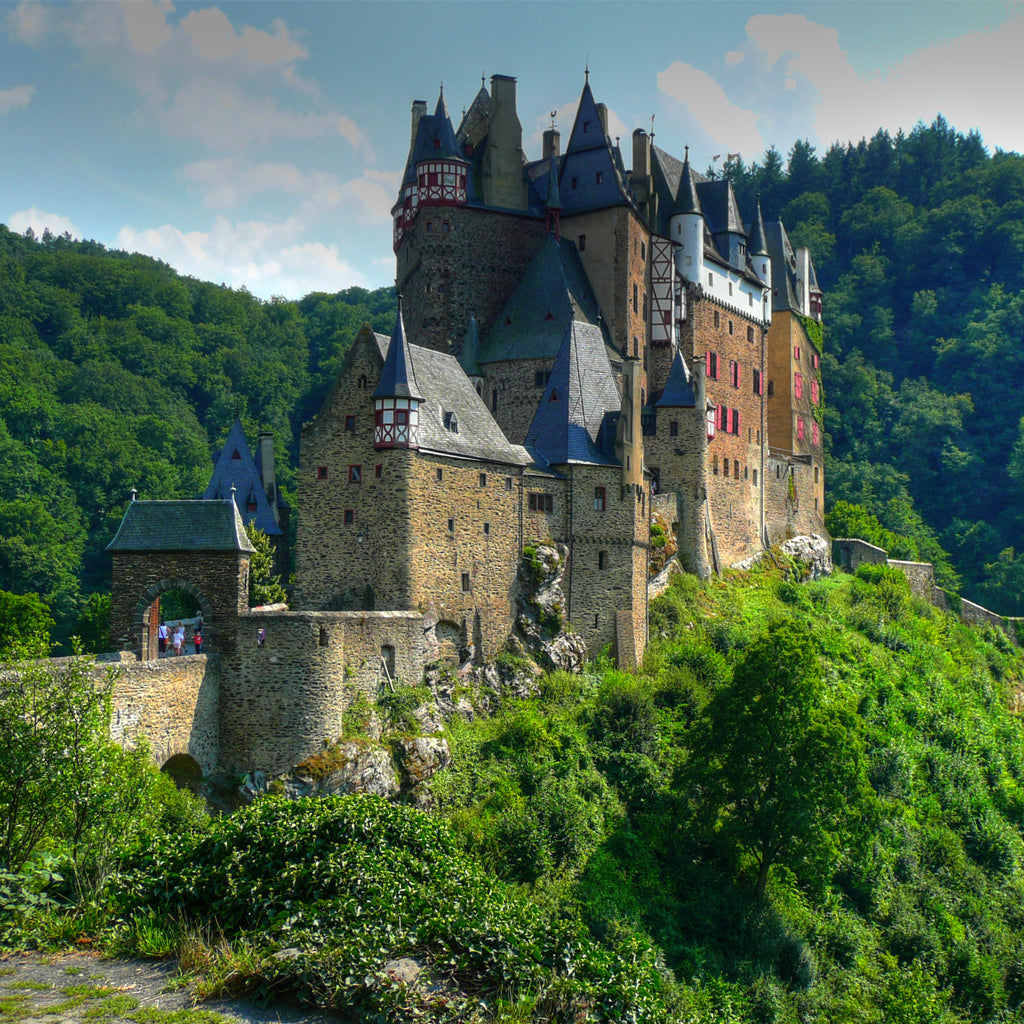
(807, 805)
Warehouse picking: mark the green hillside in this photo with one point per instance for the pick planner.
(807, 805)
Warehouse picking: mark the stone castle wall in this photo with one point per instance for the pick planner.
(438, 295)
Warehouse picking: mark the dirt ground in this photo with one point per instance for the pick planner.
(37, 988)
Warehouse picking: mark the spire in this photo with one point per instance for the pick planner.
(757, 244)
(441, 110)
(687, 200)
(553, 204)
(398, 377)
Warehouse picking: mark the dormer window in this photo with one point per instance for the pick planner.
(437, 143)
(586, 126)
(600, 177)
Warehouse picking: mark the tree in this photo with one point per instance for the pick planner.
(25, 624)
(776, 770)
(264, 586)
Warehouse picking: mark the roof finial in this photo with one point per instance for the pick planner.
(652, 125)
(586, 69)
(686, 153)
(553, 113)
(134, 493)
(483, 80)
(233, 489)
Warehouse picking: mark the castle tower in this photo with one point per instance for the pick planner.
(504, 180)
(687, 226)
(396, 401)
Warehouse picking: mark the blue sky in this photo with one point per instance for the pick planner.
(260, 144)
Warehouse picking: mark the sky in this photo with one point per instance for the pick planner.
(260, 144)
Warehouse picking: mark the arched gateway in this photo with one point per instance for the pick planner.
(196, 547)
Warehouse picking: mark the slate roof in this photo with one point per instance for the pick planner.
(431, 129)
(687, 199)
(588, 155)
(447, 392)
(570, 425)
(398, 375)
(678, 391)
(757, 242)
(234, 467)
(718, 201)
(181, 526)
(553, 292)
(476, 122)
(784, 294)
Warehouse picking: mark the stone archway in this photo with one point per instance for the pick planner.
(141, 625)
(184, 769)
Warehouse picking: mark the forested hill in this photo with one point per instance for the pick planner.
(117, 372)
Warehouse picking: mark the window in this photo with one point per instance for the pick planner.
(599, 177)
(350, 517)
(541, 502)
(363, 382)
(321, 472)
(350, 424)
(714, 464)
(816, 360)
(508, 483)
(734, 373)
(636, 297)
(796, 353)
(711, 282)
(673, 428)
(800, 427)
(758, 383)
(736, 469)
(445, 228)
(465, 582)
(541, 378)
(712, 365)
(718, 319)
(798, 385)
(771, 388)
(815, 439)
(439, 474)
(355, 474)
(750, 335)
(730, 327)
(573, 182)
(378, 470)
(814, 390)
(602, 560)
(755, 477)
(582, 243)
(736, 421)
(643, 250)
(430, 227)
(487, 529)
(599, 499)
(725, 468)
(483, 479)
(250, 506)
(451, 525)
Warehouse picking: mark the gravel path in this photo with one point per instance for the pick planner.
(38, 988)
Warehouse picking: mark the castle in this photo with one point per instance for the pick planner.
(579, 347)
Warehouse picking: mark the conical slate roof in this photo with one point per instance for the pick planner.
(678, 393)
(687, 200)
(398, 376)
(235, 467)
(476, 122)
(757, 243)
(553, 202)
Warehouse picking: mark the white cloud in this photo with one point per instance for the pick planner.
(947, 78)
(147, 23)
(214, 38)
(375, 192)
(231, 87)
(39, 221)
(13, 99)
(264, 256)
(730, 126)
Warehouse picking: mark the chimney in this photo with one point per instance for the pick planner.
(419, 108)
(641, 154)
(504, 177)
(602, 116)
(552, 143)
(268, 472)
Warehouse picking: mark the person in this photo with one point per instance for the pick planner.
(179, 639)
(197, 640)
(261, 637)
(161, 639)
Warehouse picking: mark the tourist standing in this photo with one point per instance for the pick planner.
(161, 639)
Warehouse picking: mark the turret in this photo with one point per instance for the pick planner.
(687, 226)
(396, 402)
(268, 471)
(758, 247)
